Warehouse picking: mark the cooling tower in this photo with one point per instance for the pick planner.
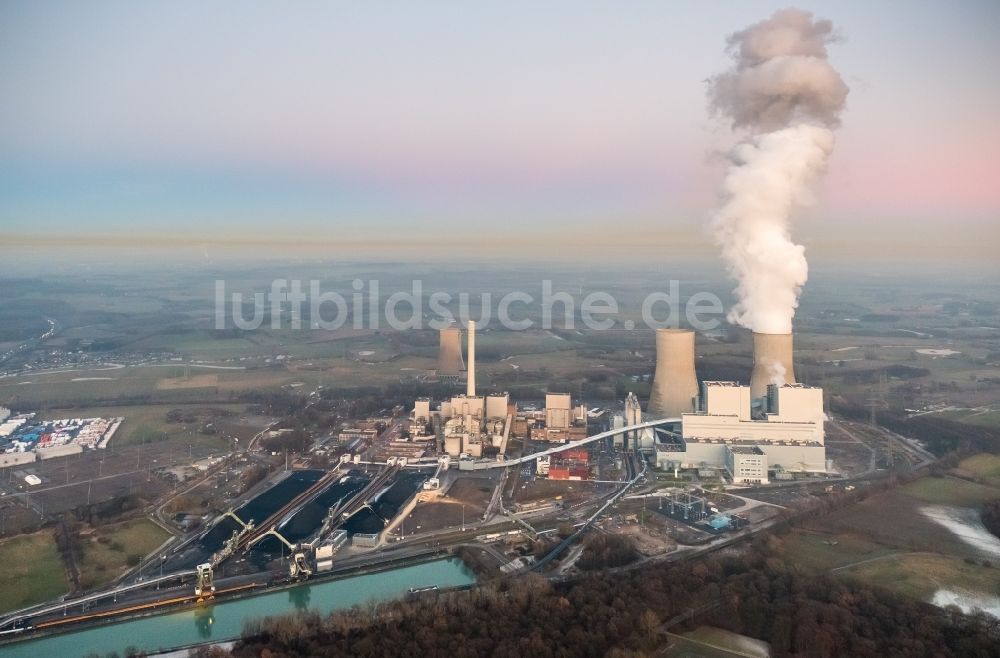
(470, 389)
(450, 352)
(772, 362)
(674, 383)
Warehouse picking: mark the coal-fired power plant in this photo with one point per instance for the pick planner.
(675, 384)
(772, 362)
(450, 352)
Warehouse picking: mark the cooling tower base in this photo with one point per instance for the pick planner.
(675, 384)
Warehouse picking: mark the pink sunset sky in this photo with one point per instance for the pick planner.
(442, 122)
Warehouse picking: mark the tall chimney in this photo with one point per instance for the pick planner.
(675, 384)
(772, 362)
(470, 389)
(450, 352)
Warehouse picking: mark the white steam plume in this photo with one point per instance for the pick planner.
(784, 92)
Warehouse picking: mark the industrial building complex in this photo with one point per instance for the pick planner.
(467, 463)
(23, 439)
(749, 433)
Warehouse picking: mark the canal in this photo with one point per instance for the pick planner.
(224, 621)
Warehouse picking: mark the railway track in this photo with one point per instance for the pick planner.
(131, 609)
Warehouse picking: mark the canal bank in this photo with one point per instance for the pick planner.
(224, 621)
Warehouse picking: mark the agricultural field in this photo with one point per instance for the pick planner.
(988, 418)
(980, 467)
(904, 518)
(920, 575)
(32, 571)
(109, 551)
(148, 423)
(823, 551)
(158, 383)
(950, 491)
(920, 539)
(198, 344)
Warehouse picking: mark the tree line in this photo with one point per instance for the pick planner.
(623, 614)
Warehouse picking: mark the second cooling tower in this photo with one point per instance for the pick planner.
(675, 384)
(450, 352)
(772, 362)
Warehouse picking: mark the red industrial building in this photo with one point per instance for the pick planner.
(573, 464)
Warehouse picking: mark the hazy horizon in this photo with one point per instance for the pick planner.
(423, 132)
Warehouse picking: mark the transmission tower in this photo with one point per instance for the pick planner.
(876, 401)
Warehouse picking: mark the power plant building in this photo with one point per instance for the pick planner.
(473, 424)
(788, 432)
(422, 410)
(746, 464)
(727, 415)
(497, 405)
(772, 424)
(563, 421)
(558, 411)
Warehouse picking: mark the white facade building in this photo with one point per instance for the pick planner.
(787, 434)
(746, 464)
(422, 410)
(558, 411)
(496, 405)
(795, 413)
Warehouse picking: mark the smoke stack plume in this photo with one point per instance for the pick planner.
(783, 92)
(675, 384)
(450, 352)
(772, 362)
(470, 389)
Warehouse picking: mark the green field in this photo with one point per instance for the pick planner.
(32, 571)
(106, 553)
(887, 540)
(914, 574)
(949, 491)
(919, 575)
(107, 383)
(981, 417)
(822, 552)
(197, 343)
(897, 518)
(986, 467)
(987, 419)
(146, 423)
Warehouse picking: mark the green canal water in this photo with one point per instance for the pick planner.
(224, 621)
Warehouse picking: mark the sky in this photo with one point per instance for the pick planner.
(461, 125)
